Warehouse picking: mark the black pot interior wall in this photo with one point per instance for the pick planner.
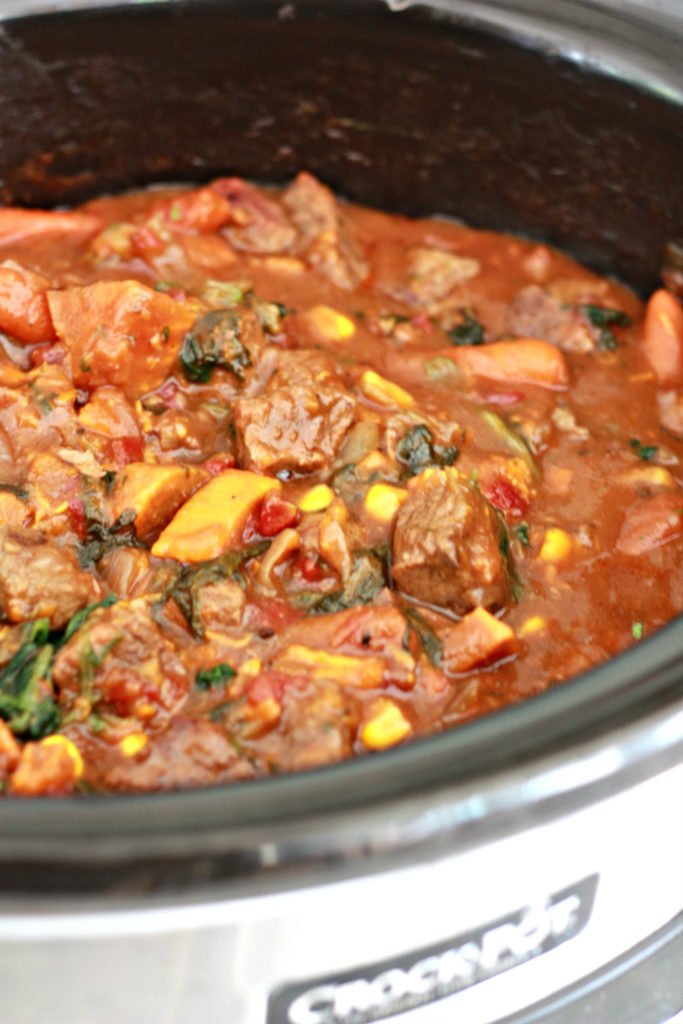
(406, 111)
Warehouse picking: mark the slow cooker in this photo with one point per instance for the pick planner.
(528, 866)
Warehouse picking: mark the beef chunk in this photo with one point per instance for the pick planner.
(299, 423)
(39, 579)
(317, 727)
(421, 276)
(325, 237)
(257, 222)
(122, 661)
(535, 313)
(220, 604)
(447, 545)
(191, 752)
(225, 339)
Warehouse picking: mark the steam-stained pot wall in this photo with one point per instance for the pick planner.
(407, 111)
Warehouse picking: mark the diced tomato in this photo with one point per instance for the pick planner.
(423, 323)
(218, 463)
(505, 496)
(309, 567)
(146, 241)
(125, 450)
(51, 354)
(203, 209)
(267, 686)
(275, 514)
(270, 613)
(77, 514)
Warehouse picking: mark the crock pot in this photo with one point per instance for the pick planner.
(527, 866)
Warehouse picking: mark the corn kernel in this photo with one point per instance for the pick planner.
(533, 625)
(133, 743)
(145, 709)
(61, 508)
(384, 391)
(383, 501)
(649, 476)
(557, 545)
(386, 728)
(57, 740)
(316, 499)
(332, 325)
(252, 667)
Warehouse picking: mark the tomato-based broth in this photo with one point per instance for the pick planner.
(285, 481)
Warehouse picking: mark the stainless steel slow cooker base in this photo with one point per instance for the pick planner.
(527, 867)
(574, 918)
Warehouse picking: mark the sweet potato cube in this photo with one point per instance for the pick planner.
(154, 493)
(480, 639)
(343, 669)
(24, 312)
(120, 333)
(212, 520)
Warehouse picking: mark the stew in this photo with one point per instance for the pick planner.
(284, 481)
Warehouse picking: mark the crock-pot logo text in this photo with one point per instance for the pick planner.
(381, 990)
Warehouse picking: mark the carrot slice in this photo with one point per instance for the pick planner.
(520, 361)
(18, 225)
(663, 337)
(121, 333)
(24, 312)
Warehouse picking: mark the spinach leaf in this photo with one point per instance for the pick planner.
(102, 537)
(185, 587)
(26, 700)
(605, 318)
(427, 637)
(207, 678)
(27, 706)
(214, 340)
(77, 620)
(646, 452)
(469, 332)
(416, 450)
(367, 577)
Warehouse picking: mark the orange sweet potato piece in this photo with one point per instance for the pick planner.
(518, 361)
(18, 225)
(212, 520)
(24, 312)
(522, 361)
(120, 333)
(154, 493)
(479, 639)
(663, 338)
(13, 512)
